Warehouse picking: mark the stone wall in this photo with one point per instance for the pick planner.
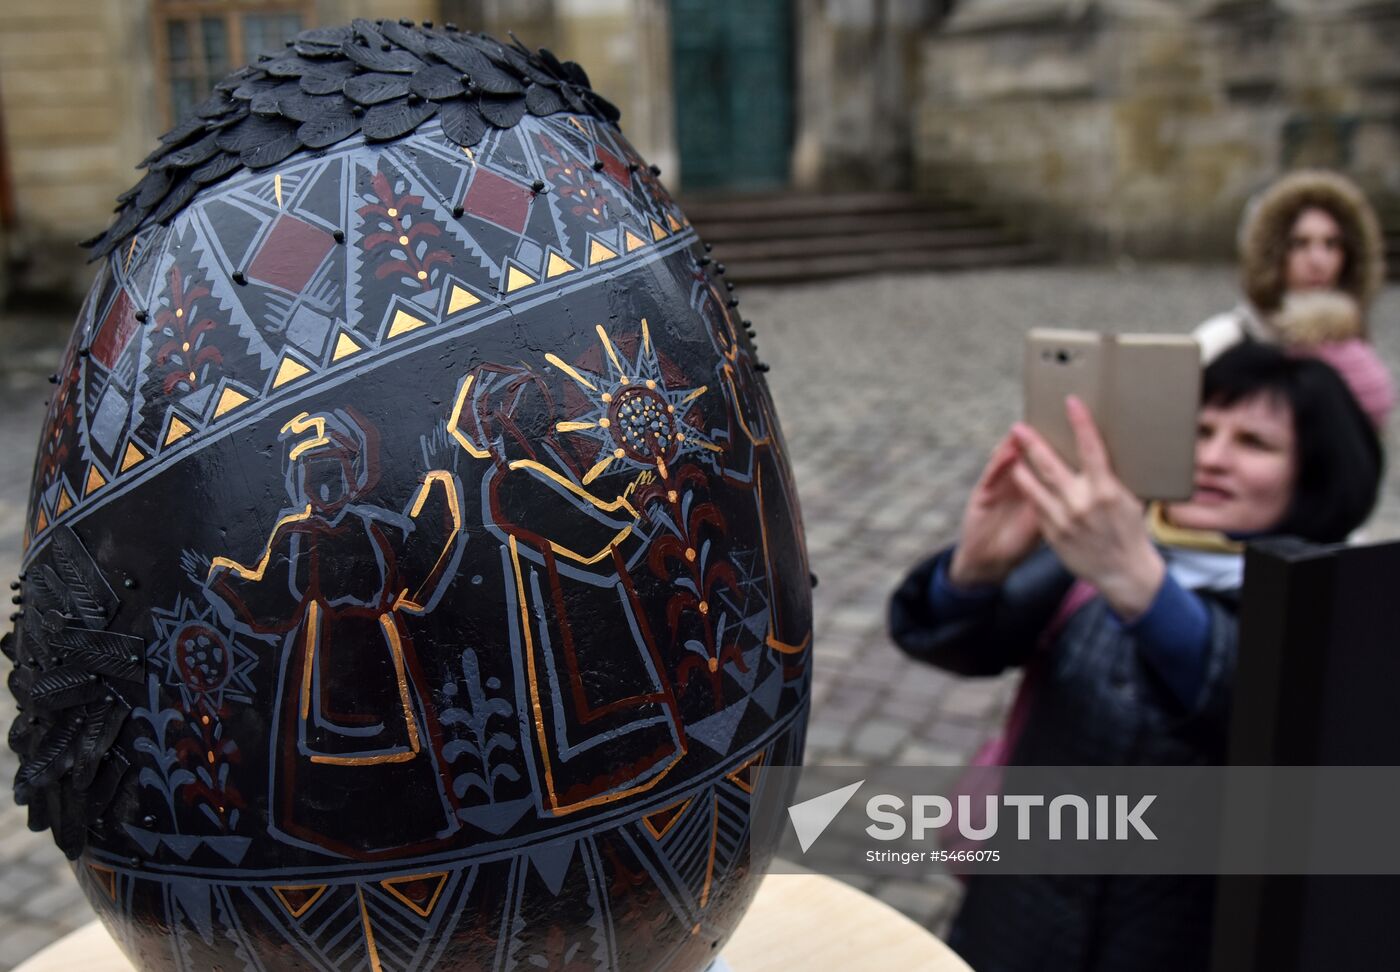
(73, 131)
(79, 99)
(1142, 127)
(80, 106)
(344, 11)
(1137, 126)
(857, 83)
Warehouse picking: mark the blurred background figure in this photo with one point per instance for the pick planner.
(1312, 260)
(1127, 629)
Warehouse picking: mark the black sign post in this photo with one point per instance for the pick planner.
(1318, 684)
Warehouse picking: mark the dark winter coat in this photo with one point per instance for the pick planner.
(1097, 702)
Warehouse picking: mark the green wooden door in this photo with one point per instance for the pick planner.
(732, 71)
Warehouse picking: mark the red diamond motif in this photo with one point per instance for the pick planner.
(291, 253)
(615, 168)
(115, 332)
(498, 200)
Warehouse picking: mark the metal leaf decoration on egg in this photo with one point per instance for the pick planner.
(413, 574)
(462, 123)
(371, 89)
(437, 82)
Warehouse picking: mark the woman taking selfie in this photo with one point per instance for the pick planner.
(1126, 625)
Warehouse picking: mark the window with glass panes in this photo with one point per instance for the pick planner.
(198, 43)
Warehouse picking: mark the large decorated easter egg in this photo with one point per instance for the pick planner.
(414, 576)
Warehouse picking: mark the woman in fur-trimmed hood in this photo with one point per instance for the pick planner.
(1312, 260)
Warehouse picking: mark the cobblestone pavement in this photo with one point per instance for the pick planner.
(891, 392)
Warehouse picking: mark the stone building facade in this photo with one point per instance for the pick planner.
(1105, 126)
(86, 88)
(1143, 126)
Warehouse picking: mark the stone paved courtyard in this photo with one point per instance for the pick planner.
(891, 391)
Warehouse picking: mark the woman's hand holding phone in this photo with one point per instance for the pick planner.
(1089, 518)
(999, 526)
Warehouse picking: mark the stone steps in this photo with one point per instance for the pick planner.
(795, 237)
(723, 208)
(743, 252)
(820, 268)
(855, 224)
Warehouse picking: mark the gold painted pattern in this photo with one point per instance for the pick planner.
(370, 947)
(305, 906)
(613, 506)
(454, 509)
(256, 572)
(423, 911)
(612, 352)
(106, 879)
(559, 363)
(710, 864)
(391, 633)
(671, 821)
(537, 709)
(345, 346)
(311, 635)
(454, 422)
(300, 423)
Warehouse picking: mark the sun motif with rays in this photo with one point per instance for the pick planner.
(636, 420)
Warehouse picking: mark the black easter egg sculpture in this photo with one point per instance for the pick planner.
(414, 577)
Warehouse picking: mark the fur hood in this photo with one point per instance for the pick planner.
(1270, 215)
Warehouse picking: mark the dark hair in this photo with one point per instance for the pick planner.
(1339, 456)
(1278, 247)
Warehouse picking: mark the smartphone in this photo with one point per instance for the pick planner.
(1143, 390)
